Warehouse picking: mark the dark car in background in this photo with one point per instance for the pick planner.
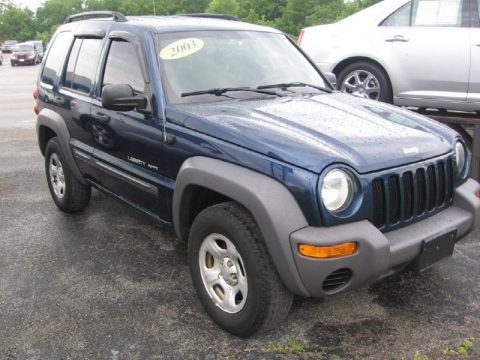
(39, 46)
(24, 53)
(8, 45)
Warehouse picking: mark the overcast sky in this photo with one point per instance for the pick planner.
(32, 4)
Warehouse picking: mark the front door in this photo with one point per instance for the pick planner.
(128, 145)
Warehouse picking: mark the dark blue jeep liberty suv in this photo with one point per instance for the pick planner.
(226, 130)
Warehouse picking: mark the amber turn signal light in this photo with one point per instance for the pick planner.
(324, 252)
(477, 194)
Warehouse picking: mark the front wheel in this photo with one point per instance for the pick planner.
(68, 193)
(366, 80)
(233, 273)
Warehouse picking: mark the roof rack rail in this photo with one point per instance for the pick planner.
(212, 16)
(115, 15)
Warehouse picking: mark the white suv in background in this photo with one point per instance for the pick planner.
(422, 53)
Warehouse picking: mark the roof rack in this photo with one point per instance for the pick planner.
(115, 15)
(212, 16)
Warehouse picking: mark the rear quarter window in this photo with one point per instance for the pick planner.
(56, 58)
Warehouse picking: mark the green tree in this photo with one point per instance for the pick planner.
(229, 7)
(53, 13)
(16, 23)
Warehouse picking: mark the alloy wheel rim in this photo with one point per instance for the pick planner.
(223, 273)
(362, 83)
(57, 177)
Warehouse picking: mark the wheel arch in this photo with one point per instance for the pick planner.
(266, 199)
(51, 124)
(354, 59)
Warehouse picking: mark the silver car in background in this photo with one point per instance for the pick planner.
(421, 53)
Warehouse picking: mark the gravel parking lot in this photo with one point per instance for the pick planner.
(110, 284)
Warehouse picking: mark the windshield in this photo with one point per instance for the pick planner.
(22, 48)
(205, 60)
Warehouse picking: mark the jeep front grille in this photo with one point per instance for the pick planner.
(407, 196)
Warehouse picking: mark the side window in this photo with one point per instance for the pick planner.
(401, 17)
(441, 13)
(56, 57)
(123, 66)
(82, 65)
(72, 60)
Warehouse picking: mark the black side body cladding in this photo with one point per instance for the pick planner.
(266, 199)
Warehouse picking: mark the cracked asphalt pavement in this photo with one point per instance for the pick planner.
(108, 283)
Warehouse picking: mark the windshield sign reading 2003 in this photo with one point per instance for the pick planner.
(181, 48)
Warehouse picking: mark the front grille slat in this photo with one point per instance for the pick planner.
(408, 192)
(431, 187)
(449, 180)
(415, 193)
(378, 203)
(421, 191)
(441, 184)
(394, 191)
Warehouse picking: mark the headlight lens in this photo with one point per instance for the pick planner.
(460, 157)
(336, 190)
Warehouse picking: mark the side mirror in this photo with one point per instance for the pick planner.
(332, 78)
(122, 98)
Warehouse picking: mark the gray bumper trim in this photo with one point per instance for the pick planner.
(378, 254)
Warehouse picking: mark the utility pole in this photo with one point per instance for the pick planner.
(154, 11)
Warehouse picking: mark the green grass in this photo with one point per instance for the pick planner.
(419, 356)
(288, 346)
(461, 349)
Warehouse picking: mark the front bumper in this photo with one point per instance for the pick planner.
(380, 254)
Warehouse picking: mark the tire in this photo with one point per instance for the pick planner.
(74, 196)
(12, 63)
(380, 77)
(264, 301)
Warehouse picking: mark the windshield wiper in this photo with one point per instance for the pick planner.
(222, 91)
(285, 86)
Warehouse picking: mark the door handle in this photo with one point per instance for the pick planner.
(397, 38)
(101, 117)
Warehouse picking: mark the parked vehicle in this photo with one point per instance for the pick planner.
(39, 47)
(225, 130)
(24, 53)
(8, 45)
(421, 53)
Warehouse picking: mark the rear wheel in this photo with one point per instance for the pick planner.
(67, 192)
(366, 80)
(233, 273)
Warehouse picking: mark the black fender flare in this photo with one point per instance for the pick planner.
(53, 121)
(271, 204)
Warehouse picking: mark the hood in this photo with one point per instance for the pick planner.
(316, 131)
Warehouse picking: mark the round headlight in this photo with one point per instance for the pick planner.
(460, 157)
(336, 190)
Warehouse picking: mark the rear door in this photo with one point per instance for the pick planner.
(474, 88)
(128, 145)
(73, 100)
(426, 47)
